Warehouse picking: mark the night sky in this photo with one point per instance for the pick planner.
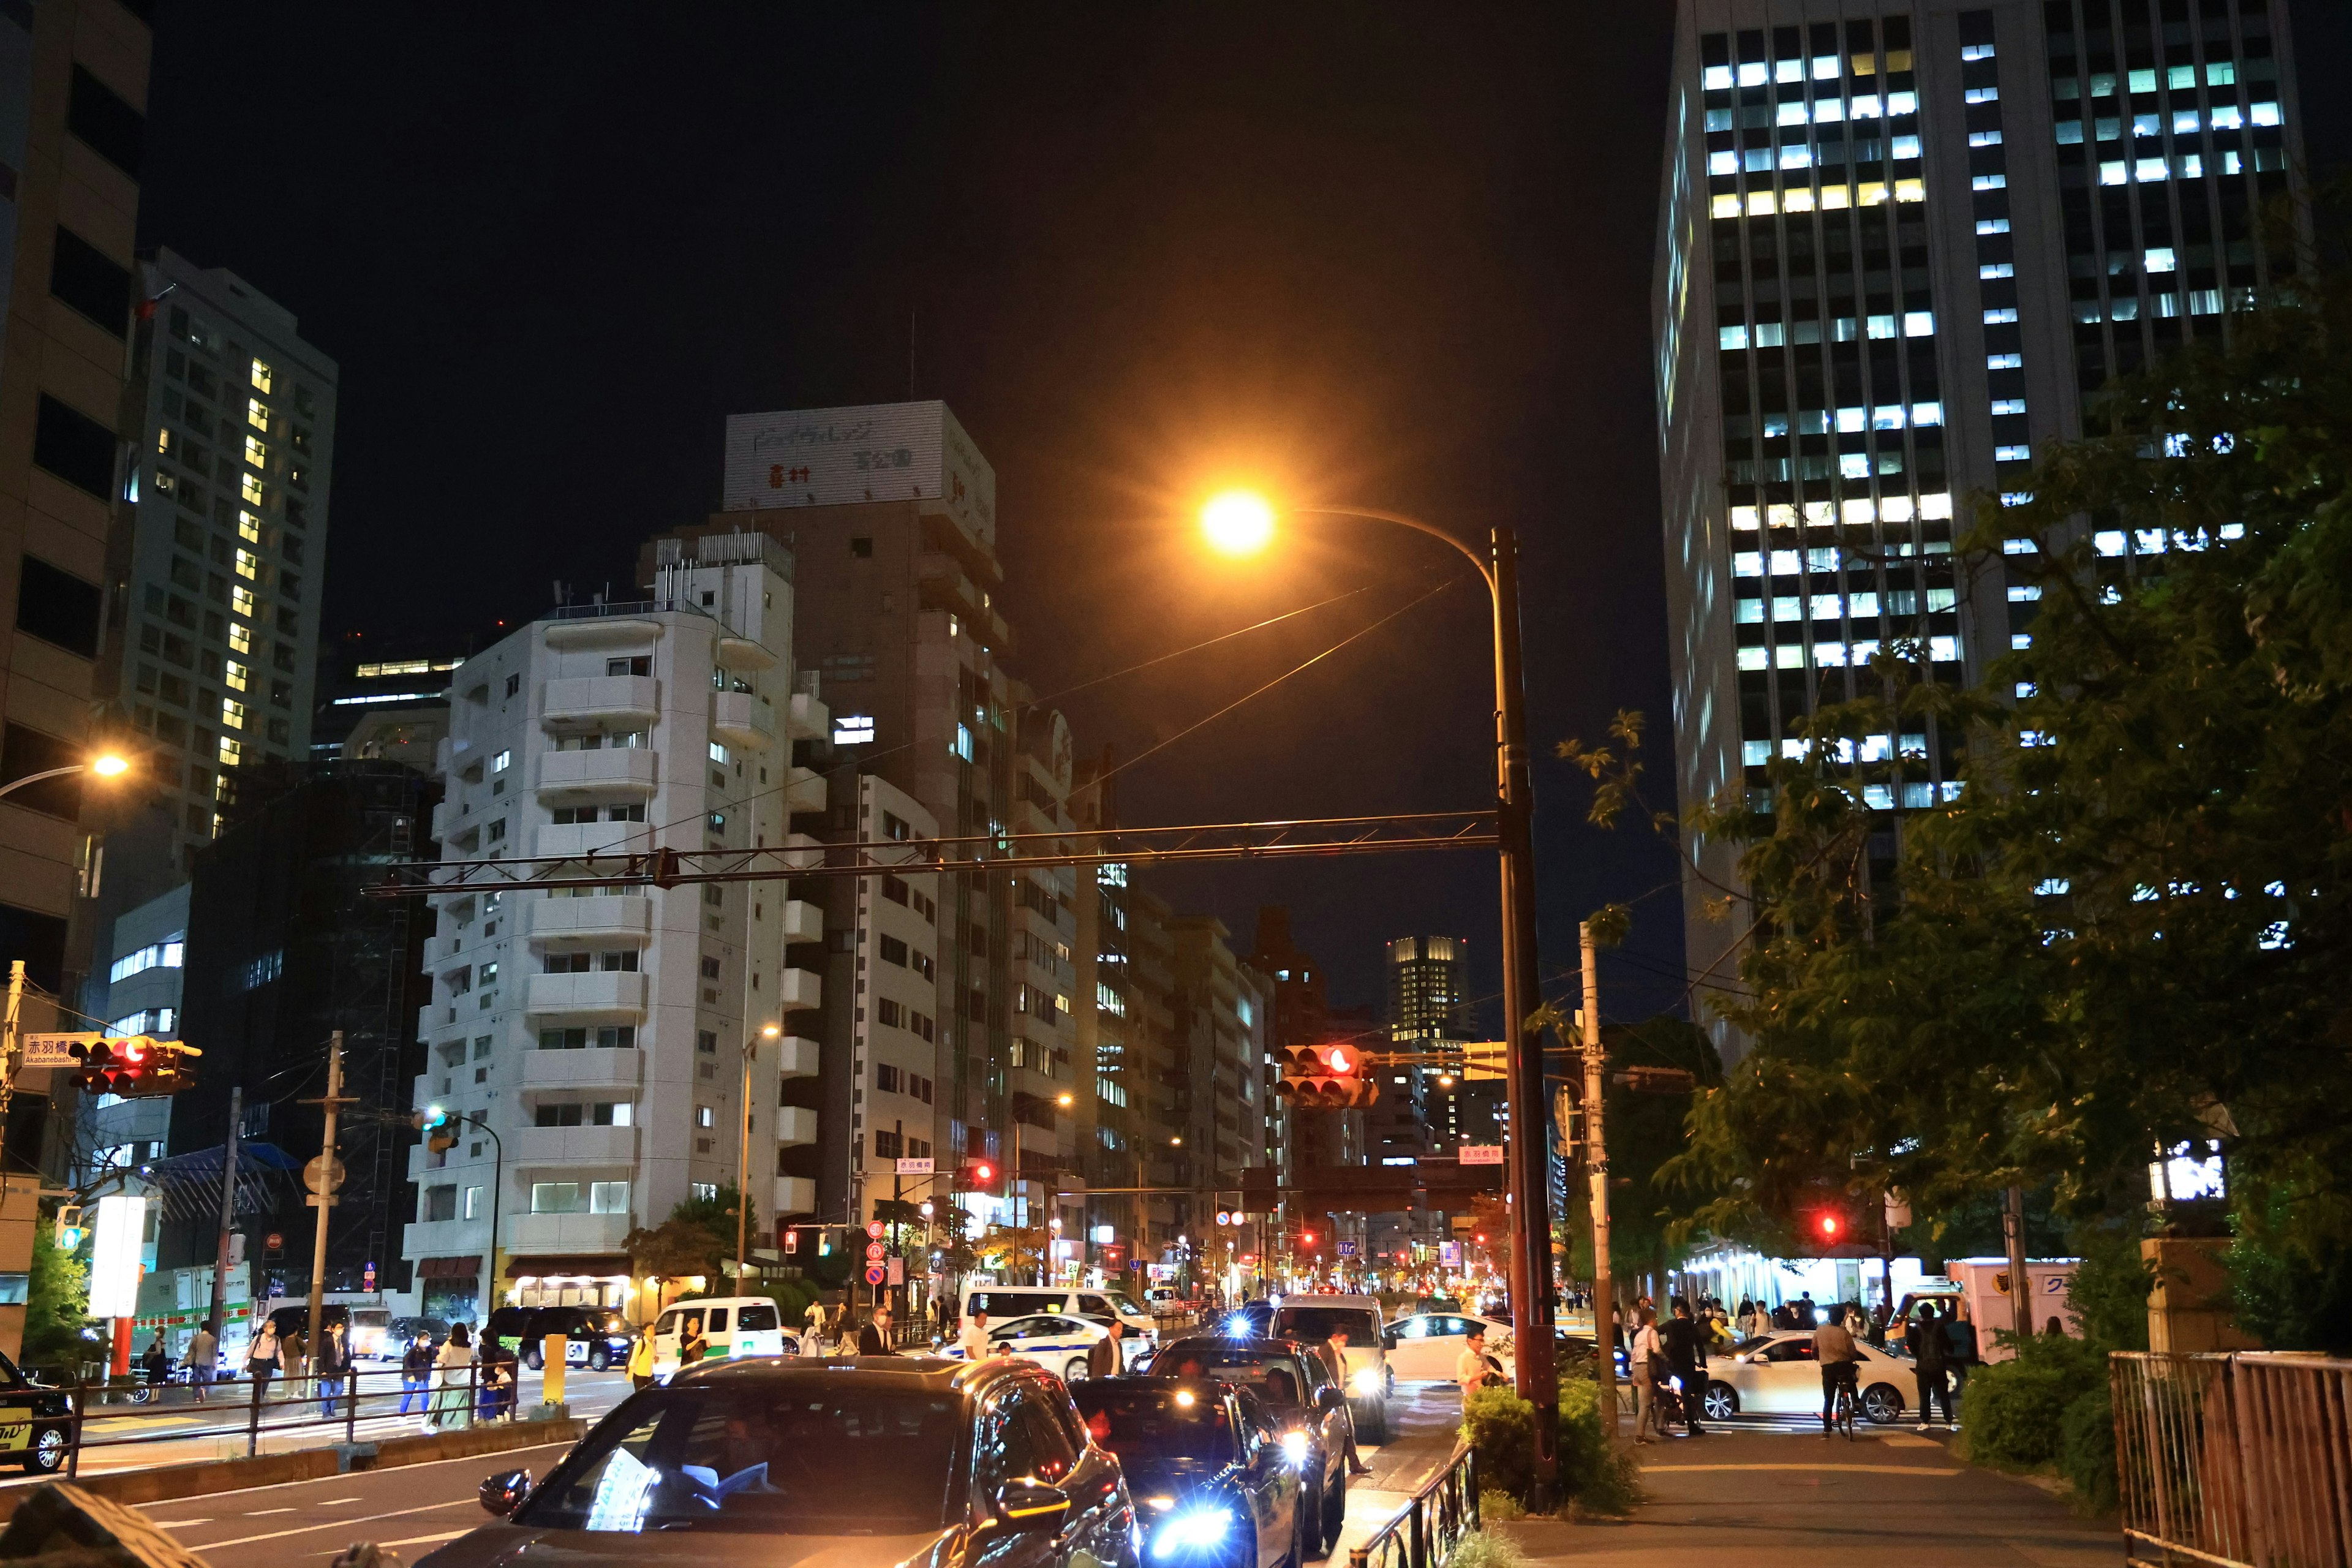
(1353, 253)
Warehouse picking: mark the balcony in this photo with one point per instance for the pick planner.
(603, 631)
(805, 790)
(537, 1146)
(795, 1196)
(799, 988)
(605, 997)
(808, 719)
(624, 770)
(741, 720)
(570, 1234)
(557, 921)
(570, 840)
(798, 1058)
(804, 921)
(442, 812)
(796, 1124)
(941, 583)
(802, 853)
(446, 1237)
(601, 702)
(592, 1068)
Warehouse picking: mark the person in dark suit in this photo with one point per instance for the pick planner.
(874, 1335)
(1104, 1358)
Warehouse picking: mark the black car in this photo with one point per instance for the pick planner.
(36, 1421)
(1214, 1483)
(1308, 1410)
(862, 1462)
(598, 1336)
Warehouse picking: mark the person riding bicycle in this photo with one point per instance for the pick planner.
(1833, 1349)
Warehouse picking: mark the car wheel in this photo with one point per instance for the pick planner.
(1076, 1371)
(1311, 1544)
(599, 1359)
(47, 1454)
(1335, 1510)
(1721, 1402)
(1881, 1403)
(534, 1359)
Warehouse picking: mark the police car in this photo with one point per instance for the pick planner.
(1058, 1342)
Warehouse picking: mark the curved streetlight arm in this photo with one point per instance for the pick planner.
(498, 1188)
(1485, 571)
(12, 786)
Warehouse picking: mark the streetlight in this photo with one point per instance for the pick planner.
(743, 1148)
(1014, 1183)
(106, 765)
(1239, 522)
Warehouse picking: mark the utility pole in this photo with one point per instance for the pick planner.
(323, 1190)
(2021, 1286)
(1596, 1164)
(10, 1031)
(219, 1316)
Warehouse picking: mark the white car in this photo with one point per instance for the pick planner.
(1775, 1374)
(1426, 1346)
(1057, 1342)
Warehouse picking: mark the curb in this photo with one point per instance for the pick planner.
(167, 1483)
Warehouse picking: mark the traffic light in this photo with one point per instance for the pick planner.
(71, 1233)
(977, 1177)
(1326, 1077)
(439, 1127)
(132, 1066)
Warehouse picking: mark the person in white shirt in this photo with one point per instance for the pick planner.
(973, 1338)
(1646, 1364)
(1474, 1368)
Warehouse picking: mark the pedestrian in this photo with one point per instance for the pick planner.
(1645, 1363)
(296, 1355)
(1833, 1352)
(453, 1393)
(691, 1346)
(816, 1321)
(1687, 1355)
(334, 1364)
(156, 1364)
(494, 1397)
(1473, 1368)
(1930, 1354)
(1960, 1343)
(416, 1375)
(203, 1358)
(873, 1339)
(1881, 1315)
(2055, 1329)
(973, 1338)
(641, 1359)
(1104, 1358)
(1808, 1315)
(1335, 1358)
(261, 1361)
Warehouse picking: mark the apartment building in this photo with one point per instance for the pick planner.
(593, 1040)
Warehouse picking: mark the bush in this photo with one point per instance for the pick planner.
(1480, 1550)
(1498, 1508)
(2012, 1411)
(2087, 1450)
(1500, 1426)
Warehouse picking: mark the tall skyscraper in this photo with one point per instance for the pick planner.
(1899, 247)
(73, 94)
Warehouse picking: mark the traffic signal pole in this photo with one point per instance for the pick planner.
(324, 1197)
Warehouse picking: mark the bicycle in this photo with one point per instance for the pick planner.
(1842, 1407)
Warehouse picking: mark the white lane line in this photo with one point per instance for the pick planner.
(424, 1539)
(313, 1480)
(334, 1501)
(179, 1524)
(258, 1512)
(334, 1524)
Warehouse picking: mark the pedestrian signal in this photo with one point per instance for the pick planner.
(71, 1233)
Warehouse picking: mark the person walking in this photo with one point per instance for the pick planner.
(1645, 1363)
(1473, 1368)
(816, 1323)
(1334, 1354)
(453, 1393)
(262, 1359)
(641, 1359)
(691, 1346)
(974, 1338)
(1687, 1355)
(1960, 1344)
(203, 1358)
(1833, 1352)
(334, 1364)
(874, 1338)
(1104, 1358)
(1930, 1357)
(416, 1375)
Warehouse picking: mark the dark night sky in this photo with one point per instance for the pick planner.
(1352, 252)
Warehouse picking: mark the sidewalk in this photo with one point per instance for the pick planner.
(1423, 1419)
(1896, 1499)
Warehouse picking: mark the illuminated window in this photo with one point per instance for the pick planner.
(163, 440)
(251, 490)
(248, 564)
(248, 527)
(241, 599)
(231, 751)
(853, 728)
(240, 637)
(256, 453)
(260, 376)
(237, 675)
(256, 414)
(233, 714)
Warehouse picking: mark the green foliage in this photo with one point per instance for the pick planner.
(1594, 1473)
(2293, 1289)
(2012, 1411)
(1649, 1213)
(697, 1238)
(57, 1303)
(1498, 1507)
(1480, 1550)
(2087, 1450)
(2111, 1284)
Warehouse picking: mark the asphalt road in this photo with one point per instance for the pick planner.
(415, 1508)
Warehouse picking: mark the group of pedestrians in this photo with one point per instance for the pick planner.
(1667, 1364)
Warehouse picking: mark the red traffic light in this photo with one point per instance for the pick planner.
(1829, 1226)
(1307, 1237)
(1342, 1059)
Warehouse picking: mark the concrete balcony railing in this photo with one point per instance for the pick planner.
(795, 1196)
(798, 1058)
(570, 1234)
(570, 840)
(796, 1124)
(804, 921)
(741, 719)
(631, 770)
(589, 1068)
(561, 920)
(808, 719)
(601, 702)
(805, 790)
(539, 1146)
(799, 988)
(448, 1238)
(603, 997)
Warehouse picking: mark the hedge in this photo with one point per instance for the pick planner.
(1594, 1474)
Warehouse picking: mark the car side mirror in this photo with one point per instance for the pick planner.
(502, 1494)
(1331, 1397)
(1029, 1506)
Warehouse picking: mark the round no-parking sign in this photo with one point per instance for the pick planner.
(875, 1274)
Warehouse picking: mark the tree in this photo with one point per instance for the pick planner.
(2129, 930)
(57, 1303)
(699, 1237)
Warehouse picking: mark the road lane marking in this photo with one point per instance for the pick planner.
(424, 1539)
(335, 1524)
(314, 1480)
(257, 1513)
(179, 1524)
(333, 1502)
(1863, 1469)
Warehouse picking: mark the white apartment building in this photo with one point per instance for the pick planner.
(592, 1038)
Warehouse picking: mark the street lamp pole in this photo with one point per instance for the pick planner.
(107, 767)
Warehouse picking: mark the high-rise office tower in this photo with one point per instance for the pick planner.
(1429, 1012)
(1900, 246)
(73, 94)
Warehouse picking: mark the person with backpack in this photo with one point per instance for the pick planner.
(1930, 1359)
(1685, 1347)
(1960, 1345)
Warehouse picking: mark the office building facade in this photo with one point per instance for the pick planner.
(1899, 248)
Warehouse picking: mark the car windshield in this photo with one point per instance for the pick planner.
(1317, 1323)
(1120, 1303)
(820, 1457)
(1140, 1423)
(1271, 1373)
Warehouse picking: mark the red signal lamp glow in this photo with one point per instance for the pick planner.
(1341, 1059)
(1828, 1225)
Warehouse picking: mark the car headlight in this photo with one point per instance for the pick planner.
(1237, 1325)
(1367, 1380)
(1195, 1529)
(1294, 1448)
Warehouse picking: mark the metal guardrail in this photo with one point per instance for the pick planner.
(1425, 1532)
(2239, 1461)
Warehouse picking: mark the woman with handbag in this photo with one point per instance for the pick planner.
(1647, 1363)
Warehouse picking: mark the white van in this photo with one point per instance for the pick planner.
(733, 1327)
(1002, 1302)
(1311, 1321)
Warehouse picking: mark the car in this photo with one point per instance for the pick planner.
(1213, 1478)
(1002, 1301)
(1294, 1386)
(594, 1337)
(873, 1460)
(1775, 1374)
(1312, 1319)
(402, 1332)
(1424, 1347)
(36, 1421)
(1166, 1301)
(1056, 1341)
